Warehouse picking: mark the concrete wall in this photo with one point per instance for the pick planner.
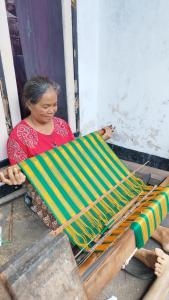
(131, 72)
(87, 15)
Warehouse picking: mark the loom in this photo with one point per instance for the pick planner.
(97, 201)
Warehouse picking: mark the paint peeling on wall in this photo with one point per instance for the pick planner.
(124, 73)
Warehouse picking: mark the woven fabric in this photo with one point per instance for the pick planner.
(72, 177)
(150, 217)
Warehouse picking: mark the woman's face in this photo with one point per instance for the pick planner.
(45, 109)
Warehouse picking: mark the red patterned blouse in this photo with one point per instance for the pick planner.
(25, 142)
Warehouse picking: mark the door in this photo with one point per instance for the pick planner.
(41, 35)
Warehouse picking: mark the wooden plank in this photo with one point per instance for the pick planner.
(155, 173)
(108, 268)
(165, 182)
(4, 133)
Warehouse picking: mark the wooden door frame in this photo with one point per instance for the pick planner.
(8, 66)
(69, 64)
(10, 81)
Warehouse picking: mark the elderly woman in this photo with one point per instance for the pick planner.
(39, 132)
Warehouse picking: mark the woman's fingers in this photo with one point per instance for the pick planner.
(13, 176)
(4, 179)
(19, 176)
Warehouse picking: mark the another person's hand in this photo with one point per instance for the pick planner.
(108, 132)
(12, 176)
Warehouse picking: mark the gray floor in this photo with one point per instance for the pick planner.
(21, 227)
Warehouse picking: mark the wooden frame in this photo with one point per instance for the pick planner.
(8, 65)
(69, 68)
(4, 133)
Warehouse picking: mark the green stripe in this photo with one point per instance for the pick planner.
(110, 153)
(110, 166)
(166, 195)
(59, 186)
(88, 178)
(109, 178)
(138, 234)
(56, 200)
(67, 178)
(83, 185)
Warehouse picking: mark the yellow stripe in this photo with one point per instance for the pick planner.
(163, 202)
(78, 172)
(41, 188)
(53, 187)
(74, 181)
(149, 215)
(101, 162)
(83, 178)
(138, 181)
(93, 165)
(114, 157)
(92, 219)
(156, 212)
(63, 182)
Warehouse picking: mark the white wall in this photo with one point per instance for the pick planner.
(132, 71)
(87, 18)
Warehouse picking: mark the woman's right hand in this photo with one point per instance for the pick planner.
(12, 176)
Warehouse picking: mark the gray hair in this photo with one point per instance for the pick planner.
(35, 88)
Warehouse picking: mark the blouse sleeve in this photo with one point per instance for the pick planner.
(15, 151)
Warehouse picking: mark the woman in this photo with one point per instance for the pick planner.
(39, 132)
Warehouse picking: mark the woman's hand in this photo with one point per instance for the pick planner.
(108, 132)
(12, 176)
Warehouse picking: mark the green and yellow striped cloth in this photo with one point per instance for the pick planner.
(71, 177)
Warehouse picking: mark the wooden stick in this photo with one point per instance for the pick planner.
(84, 210)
